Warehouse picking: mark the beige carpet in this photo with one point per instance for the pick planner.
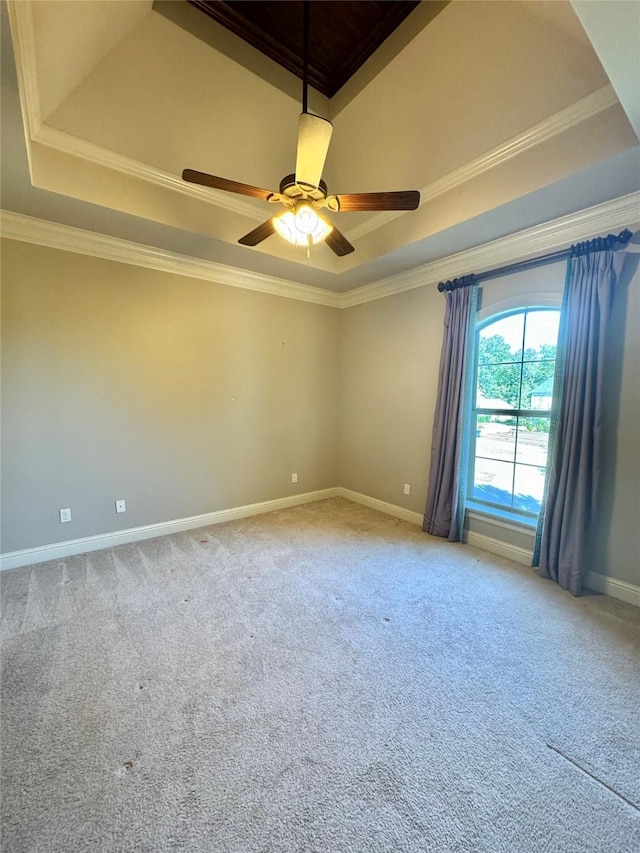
(324, 679)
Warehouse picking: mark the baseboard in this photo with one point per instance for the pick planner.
(502, 549)
(599, 583)
(382, 506)
(613, 587)
(59, 550)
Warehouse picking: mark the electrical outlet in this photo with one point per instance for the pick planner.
(407, 488)
(65, 515)
(294, 478)
(121, 506)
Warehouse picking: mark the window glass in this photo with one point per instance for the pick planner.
(498, 386)
(502, 341)
(511, 410)
(541, 334)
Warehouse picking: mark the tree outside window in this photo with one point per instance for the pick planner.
(511, 409)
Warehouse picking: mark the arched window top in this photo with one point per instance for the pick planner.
(518, 302)
(511, 407)
(521, 335)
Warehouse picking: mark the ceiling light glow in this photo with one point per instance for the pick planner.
(306, 219)
(303, 226)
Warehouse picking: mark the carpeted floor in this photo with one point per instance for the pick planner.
(324, 679)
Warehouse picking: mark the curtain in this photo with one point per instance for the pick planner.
(570, 507)
(444, 511)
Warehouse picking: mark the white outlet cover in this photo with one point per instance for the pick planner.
(121, 506)
(65, 515)
(294, 478)
(407, 488)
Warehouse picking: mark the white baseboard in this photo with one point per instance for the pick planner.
(599, 583)
(382, 506)
(503, 549)
(30, 556)
(72, 547)
(613, 587)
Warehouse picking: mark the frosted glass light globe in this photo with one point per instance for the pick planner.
(287, 227)
(306, 219)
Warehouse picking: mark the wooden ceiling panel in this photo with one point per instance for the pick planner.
(342, 35)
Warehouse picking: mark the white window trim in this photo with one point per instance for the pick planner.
(519, 302)
(509, 519)
(500, 518)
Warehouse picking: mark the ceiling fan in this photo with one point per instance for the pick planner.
(304, 193)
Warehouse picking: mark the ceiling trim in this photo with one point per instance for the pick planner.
(23, 38)
(54, 235)
(99, 156)
(547, 237)
(587, 107)
(567, 118)
(22, 29)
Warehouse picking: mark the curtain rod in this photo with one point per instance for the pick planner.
(598, 244)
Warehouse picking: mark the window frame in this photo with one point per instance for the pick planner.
(490, 314)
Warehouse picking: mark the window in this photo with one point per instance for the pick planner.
(511, 410)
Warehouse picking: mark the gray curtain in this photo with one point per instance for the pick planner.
(570, 509)
(443, 515)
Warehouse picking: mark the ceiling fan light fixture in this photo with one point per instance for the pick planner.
(306, 219)
(305, 191)
(298, 227)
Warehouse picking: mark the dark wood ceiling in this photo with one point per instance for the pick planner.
(342, 35)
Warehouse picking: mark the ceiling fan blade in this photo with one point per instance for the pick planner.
(404, 200)
(258, 234)
(216, 183)
(314, 136)
(338, 243)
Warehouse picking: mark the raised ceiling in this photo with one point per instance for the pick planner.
(342, 35)
(496, 112)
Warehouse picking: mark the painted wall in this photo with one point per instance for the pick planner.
(390, 357)
(185, 397)
(389, 376)
(617, 546)
(180, 396)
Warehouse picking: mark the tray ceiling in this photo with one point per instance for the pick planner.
(342, 35)
(477, 105)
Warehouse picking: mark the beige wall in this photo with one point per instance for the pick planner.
(180, 396)
(185, 397)
(618, 543)
(390, 357)
(389, 375)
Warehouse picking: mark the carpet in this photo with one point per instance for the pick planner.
(321, 679)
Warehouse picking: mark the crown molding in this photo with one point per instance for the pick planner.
(550, 236)
(547, 237)
(35, 130)
(23, 36)
(567, 118)
(27, 229)
(99, 156)
(23, 39)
